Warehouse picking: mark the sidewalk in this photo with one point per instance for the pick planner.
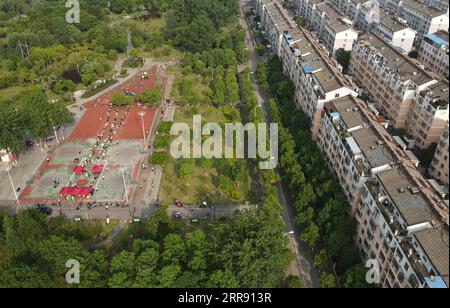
(303, 265)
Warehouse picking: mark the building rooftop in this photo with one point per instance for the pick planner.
(312, 62)
(435, 244)
(348, 112)
(336, 21)
(278, 17)
(405, 68)
(375, 152)
(391, 22)
(440, 38)
(438, 94)
(402, 190)
(427, 10)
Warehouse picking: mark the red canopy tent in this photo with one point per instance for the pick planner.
(79, 169)
(74, 192)
(97, 169)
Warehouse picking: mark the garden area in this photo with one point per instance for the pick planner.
(221, 181)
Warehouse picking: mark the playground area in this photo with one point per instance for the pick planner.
(101, 160)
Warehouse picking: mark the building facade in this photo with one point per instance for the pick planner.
(401, 224)
(439, 165)
(333, 29)
(430, 115)
(388, 78)
(433, 53)
(395, 224)
(422, 18)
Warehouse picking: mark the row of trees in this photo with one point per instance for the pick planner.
(247, 252)
(29, 115)
(268, 178)
(321, 206)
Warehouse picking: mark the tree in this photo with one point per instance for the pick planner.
(63, 86)
(206, 164)
(223, 279)
(185, 171)
(355, 277)
(260, 49)
(151, 97)
(343, 58)
(158, 158)
(300, 20)
(175, 250)
(120, 99)
(321, 260)
(311, 235)
(426, 156)
(293, 282)
(327, 281)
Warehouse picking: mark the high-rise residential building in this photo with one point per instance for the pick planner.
(441, 5)
(333, 29)
(430, 115)
(388, 78)
(397, 225)
(421, 17)
(389, 27)
(402, 223)
(433, 53)
(439, 168)
(311, 70)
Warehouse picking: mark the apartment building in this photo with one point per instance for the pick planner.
(433, 53)
(388, 78)
(334, 30)
(312, 71)
(430, 115)
(421, 17)
(394, 31)
(439, 166)
(396, 223)
(315, 81)
(272, 22)
(441, 5)
(401, 222)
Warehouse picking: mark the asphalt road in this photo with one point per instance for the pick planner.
(304, 263)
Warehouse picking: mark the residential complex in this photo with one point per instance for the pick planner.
(433, 53)
(389, 78)
(441, 5)
(421, 17)
(368, 16)
(402, 221)
(396, 224)
(333, 29)
(439, 165)
(430, 115)
(313, 72)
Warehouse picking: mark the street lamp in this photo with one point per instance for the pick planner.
(142, 114)
(124, 184)
(12, 183)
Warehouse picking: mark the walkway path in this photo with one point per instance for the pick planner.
(303, 266)
(111, 236)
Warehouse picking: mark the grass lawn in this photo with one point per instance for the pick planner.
(200, 185)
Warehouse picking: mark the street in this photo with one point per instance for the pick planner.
(303, 266)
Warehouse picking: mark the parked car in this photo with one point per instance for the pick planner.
(45, 209)
(77, 219)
